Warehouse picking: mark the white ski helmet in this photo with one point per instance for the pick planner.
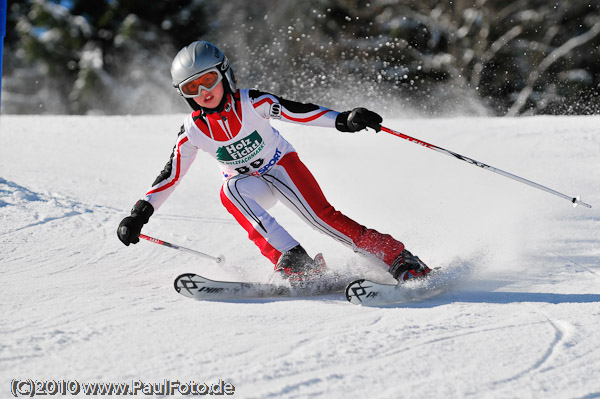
(196, 58)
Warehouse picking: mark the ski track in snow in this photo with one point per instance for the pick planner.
(514, 311)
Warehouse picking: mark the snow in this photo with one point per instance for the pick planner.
(78, 305)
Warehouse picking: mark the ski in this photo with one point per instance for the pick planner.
(197, 287)
(201, 288)
(370, 293)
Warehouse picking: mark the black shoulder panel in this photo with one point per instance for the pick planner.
(166, 172)
(254, 94)
(293, 106)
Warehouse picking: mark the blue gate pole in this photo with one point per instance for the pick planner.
(3, 17)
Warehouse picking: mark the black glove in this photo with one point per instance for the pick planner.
(130, 228)
(358, 119)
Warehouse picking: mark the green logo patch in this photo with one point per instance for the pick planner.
(242, 150)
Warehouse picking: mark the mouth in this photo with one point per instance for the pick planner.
(208, 98)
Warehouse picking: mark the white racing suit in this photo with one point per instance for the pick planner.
(260, 168)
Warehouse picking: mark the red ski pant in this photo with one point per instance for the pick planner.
(248, 197)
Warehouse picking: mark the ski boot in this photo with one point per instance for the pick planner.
(407, 266)
(296, 266)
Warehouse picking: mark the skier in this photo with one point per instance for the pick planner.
(260, 167)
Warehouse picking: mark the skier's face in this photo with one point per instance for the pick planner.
(210, 99)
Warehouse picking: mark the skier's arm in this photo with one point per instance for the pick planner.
(182, 157)
(271, 106)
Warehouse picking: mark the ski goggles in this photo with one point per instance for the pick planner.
(206, 80)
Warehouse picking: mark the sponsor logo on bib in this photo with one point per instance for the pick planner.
(242, 150)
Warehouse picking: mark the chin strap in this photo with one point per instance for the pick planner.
(219, 108)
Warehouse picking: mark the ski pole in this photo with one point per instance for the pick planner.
(575, 200)
(217, 259)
